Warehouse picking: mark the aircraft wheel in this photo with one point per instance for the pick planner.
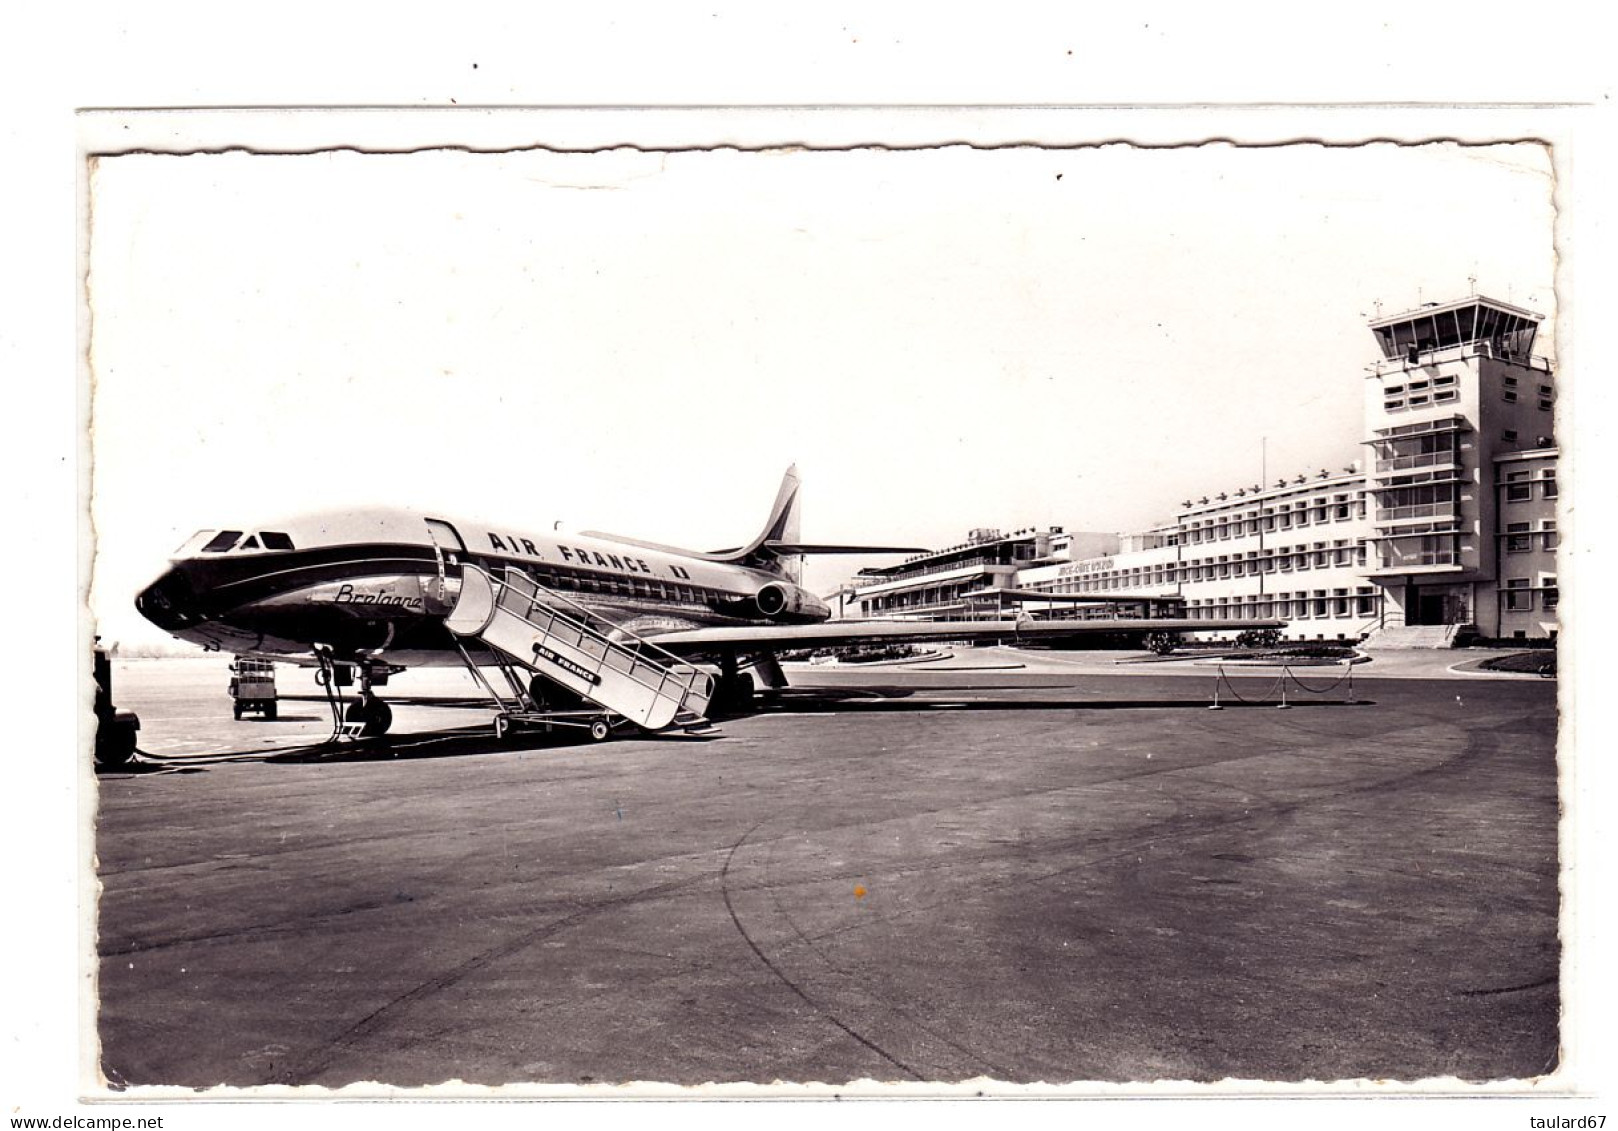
(115, 746)
(374, 717)
(733, 695)
(599, 730)
(112, 759)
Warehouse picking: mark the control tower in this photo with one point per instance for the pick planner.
(1458, 412)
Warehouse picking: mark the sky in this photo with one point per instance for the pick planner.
(642, 342)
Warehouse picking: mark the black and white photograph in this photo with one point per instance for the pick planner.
(952, 619)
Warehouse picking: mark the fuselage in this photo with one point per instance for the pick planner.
(361, 583)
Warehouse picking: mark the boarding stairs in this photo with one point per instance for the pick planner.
(552, 635)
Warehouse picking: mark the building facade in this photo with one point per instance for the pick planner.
(1296, 550)
(1450, 520)
(1457, 396)
(1526, 597)
(940, 585)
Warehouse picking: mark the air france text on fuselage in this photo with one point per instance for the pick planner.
(575, 556)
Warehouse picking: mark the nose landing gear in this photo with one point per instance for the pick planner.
(372, 715)
(367, 717)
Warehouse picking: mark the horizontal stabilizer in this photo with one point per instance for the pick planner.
(778, 539)
(833, 548)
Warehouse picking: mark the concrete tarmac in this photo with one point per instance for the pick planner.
(1043, 873)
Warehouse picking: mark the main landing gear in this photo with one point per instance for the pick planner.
(369, 716)
(732, 691)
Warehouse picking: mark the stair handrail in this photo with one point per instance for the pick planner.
(588, 614)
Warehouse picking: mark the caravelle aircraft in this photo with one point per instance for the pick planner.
(370, 592)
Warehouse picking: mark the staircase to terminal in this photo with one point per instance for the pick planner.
(1413, 636)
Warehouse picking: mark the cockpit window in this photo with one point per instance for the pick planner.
(221, 542)
(275, 540)
(250, 544)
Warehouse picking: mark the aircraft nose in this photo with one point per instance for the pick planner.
(169, 602)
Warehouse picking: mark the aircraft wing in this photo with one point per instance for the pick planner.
(834, 634)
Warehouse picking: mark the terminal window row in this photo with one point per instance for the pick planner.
(1299, 514)
(1284, 561)
(1422, 450)
(1520, 485)
(1509, 392)
(1519, 593)
(1417, 394)
(1305, 605)
(1520, 536)
(1546, 404)
(1439, 382)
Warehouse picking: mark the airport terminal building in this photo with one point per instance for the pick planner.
(1446, 525)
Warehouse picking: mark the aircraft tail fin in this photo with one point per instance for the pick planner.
(777, 547)
(780, 529)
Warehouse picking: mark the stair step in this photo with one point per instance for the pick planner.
(1412, 636)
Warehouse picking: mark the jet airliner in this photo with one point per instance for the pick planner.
(368, 592)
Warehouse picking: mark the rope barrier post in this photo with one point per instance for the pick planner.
(1219, 676)
(1284, 705)
(1351, 698)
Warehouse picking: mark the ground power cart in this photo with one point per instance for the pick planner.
(252, 687)
(115, 729)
